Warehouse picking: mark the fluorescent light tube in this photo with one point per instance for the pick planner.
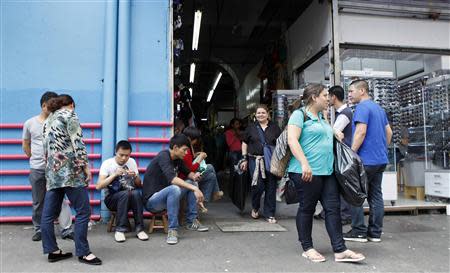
(190, 92)
(217, 80)
(196, 32)
(211, 92)
(192, 73)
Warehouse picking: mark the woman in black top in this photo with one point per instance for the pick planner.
(253, 153)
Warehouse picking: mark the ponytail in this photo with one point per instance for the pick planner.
(56, 103)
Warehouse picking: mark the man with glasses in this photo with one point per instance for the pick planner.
(371, 137)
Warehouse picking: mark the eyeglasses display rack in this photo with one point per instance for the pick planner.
(281, 100)
(437, 115)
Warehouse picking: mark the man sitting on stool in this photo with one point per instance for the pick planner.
(120, 176)
(163, 190)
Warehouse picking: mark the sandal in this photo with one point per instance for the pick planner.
(93, 261)
(271, 220)
(255, 214)
(54, 257)
(313, 256)
(348, 256)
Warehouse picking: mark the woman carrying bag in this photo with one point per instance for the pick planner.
(259, 138)
(310, 139)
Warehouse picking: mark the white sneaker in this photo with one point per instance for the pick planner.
(142, 236)
(119, 237)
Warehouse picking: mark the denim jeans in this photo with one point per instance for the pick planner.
(80, 201)
(267, 186)
(346, 210)
(169, 199)
(376, 205)
(122, 202)
(323, 189)
(208, 184)
(38, 189)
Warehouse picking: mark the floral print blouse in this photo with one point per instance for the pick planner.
(64, 150)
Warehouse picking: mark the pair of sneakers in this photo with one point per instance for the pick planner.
(172, 235)
(120, 236)
(361, 238)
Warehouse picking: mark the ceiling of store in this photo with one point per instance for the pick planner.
(234, 32)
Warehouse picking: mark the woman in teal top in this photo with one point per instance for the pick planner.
(310, 139)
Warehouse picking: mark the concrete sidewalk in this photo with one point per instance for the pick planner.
(410, 244)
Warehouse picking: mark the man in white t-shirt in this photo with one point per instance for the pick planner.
(119, 176)
(33, 147)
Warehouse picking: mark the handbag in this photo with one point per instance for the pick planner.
(281, 156)
(282, 153)
(239, 189)
(290, 193)
(267, 149)
(122, 183)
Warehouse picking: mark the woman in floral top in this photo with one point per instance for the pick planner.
(67, 173)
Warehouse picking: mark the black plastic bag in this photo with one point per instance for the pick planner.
(350, 174)
(290, 192)
(239, 189)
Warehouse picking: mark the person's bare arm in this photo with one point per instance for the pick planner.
(138, 181)
(244, 153)
(388, 134)
(183, 184)
(26, 147)
(359, 136)
(294, 133)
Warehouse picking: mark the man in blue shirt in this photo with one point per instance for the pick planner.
(372, 135)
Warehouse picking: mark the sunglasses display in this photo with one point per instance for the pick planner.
(420, 107)
(425, 112)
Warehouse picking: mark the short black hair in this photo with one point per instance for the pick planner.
(360, 84)
(123, 144)
(338, 91)
(179, 140)
(47, 96)
(192, 132)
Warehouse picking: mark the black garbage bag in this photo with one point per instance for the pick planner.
(239, 189)
(350, 174)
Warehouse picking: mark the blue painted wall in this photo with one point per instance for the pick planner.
(60, 46)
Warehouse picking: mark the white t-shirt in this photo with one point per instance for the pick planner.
(110, 166)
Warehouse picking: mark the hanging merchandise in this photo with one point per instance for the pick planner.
(185, 113)
(185, 95)
(179, 8)
(282, 101)
(177, 24)
(179, 46)
(176, 95)
(177, 71)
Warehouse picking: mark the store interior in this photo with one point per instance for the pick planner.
(218, 44)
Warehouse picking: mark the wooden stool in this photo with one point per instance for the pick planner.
(112, 222)
(153, 221)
